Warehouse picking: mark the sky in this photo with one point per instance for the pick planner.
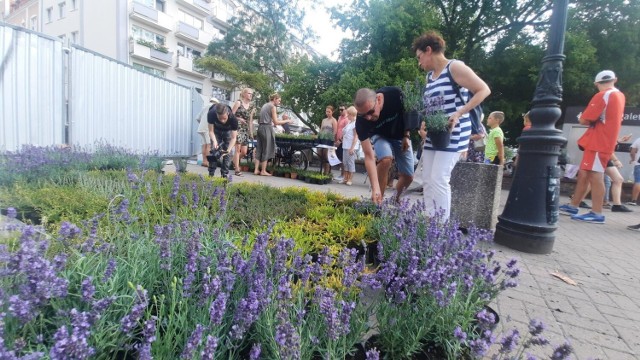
(319, 19)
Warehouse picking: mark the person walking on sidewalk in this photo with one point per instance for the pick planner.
(635, 160)
(603, 115)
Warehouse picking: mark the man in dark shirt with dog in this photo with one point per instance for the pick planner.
(223, 131)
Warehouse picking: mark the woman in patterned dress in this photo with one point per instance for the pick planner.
(244, 109)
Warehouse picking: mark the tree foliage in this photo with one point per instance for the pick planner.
(502, 40)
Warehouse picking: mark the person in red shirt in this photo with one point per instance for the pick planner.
(603, 115)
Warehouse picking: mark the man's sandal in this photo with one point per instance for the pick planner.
(239, 173)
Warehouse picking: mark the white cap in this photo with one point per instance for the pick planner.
(214, 100)
(605, 76)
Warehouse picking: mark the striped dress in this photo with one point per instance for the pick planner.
(442, 85)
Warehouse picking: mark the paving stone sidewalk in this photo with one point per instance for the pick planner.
(600, 316)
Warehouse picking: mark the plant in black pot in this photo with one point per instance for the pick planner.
(437, 122)
(412, 103)
(325, 138)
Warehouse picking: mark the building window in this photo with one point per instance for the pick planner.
(74, 37)
(61, 7)
(188, 52)
(149, 69)
(49, 14)
(144, 34)
(190, 20)
(154, 4)
(33, 23)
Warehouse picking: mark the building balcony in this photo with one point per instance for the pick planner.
(219, 23)
(198, 6)
(188, 66)
(157, 57)
(193, 35)
(151, 17)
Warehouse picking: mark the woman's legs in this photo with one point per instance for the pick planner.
(436, 174)
(616, 184)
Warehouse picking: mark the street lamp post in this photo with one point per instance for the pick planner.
(529, 219)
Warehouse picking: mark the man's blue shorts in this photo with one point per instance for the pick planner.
(636, 174)
(385, 147)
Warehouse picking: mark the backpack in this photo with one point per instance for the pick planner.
(475, 115)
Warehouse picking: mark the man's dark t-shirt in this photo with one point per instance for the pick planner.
(390, 123)
(230, 125)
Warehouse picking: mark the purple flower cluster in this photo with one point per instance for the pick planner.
(74, 345)
(287, 338)
(193, 342)
(130, 321)
(34, 279)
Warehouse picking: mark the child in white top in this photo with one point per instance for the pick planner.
(350, 144)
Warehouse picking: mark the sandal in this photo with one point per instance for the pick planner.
(239, 173)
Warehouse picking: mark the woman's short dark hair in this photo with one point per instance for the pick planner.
(429, 39)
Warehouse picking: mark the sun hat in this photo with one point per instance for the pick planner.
(214, 100)
(605, 75)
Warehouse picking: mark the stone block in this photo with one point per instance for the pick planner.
(475, 194)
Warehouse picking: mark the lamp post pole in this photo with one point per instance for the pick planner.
(529, 219)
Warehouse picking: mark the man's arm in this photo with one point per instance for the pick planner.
(372, 170)
(632, 154)
(212, 136)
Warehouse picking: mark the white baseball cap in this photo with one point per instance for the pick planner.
(214, 100)
(605, 76)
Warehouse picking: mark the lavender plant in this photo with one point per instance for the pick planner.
(435, 117)
(512, 345)
(434, 279)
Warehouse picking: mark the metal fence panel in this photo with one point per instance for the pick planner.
(114, 103)
(31, 89)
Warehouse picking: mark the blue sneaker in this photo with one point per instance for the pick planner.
(589, 217)
(567, 209)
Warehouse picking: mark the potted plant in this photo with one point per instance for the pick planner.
(437, 122)
(325, 139)
(412, 103)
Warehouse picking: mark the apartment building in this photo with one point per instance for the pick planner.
(162, 37)
(25, 13)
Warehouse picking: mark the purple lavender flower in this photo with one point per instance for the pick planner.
(12, 213)
(479, 347)
(459, 334)
(536, 327)
(373, 354)
(176, 187)
(509, 342)
(562, 352)
(108, 272)
(148, 337)
(218, 308)
(193, 342)
(68, 231)
(210, 346)
(287, 338)
(76, 344)
(485, 319)
(254, 354)
(88, 290)
(130, 320)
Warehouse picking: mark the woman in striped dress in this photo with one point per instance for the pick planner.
(438, 164)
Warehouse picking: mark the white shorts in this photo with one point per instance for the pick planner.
(204, 138)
